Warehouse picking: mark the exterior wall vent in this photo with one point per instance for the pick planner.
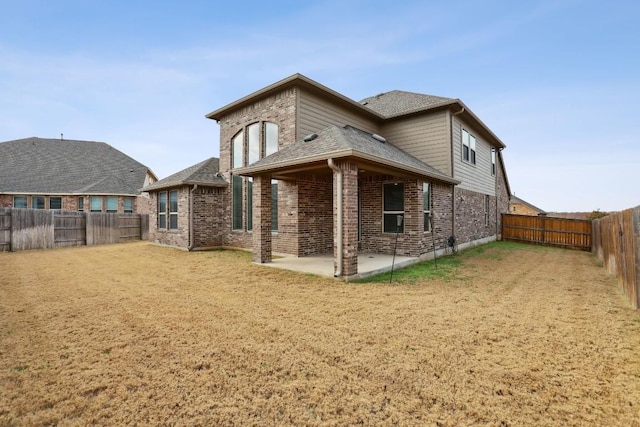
(310, 137)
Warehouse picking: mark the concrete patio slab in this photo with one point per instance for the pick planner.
(322, 265)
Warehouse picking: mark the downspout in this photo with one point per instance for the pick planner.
(336, 169)
(192, 239)
(453, 188)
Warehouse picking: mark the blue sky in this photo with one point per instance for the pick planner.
(556, 80)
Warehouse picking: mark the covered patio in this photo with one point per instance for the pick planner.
(336, 180)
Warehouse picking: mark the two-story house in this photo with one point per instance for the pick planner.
(308, 171)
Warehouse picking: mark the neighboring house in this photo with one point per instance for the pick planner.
(309, 171)
(70, 175)
(188, 207)
(518, 206)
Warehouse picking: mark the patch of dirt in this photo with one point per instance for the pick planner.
(141, 334)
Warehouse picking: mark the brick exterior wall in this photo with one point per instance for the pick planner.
(414, 241)
(315, 216)
(70, 202)
(470, 216)
(211, 210)
(178, 237)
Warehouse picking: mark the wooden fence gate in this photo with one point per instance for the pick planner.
(547, 231)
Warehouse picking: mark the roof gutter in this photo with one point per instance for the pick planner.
(453, 163)
(338, 171)
(192, 240)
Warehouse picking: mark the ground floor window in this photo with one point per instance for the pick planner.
(95, 204)
(168, 206)
(162, 209)
(486, 210)
(173, 209)
(20, 202)
(112, 204)
(238, 201)
(236, 211)
(393, 207)
(80, 203)
(37, 202)
(274, 205)
(426, 192)
(127, 205)
(55, 202)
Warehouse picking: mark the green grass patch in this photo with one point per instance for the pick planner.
(447, 267)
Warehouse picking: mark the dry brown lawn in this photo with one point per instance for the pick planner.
(136, 334)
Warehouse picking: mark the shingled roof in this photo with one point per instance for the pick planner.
(55, 166)
(205, 173)
(347, 141)
(398, 103)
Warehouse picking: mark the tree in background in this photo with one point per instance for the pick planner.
(597, 214)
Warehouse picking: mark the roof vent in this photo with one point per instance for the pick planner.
(310, 137)
(379, 138)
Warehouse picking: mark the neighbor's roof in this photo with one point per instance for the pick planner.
(56, 166)
(337, 142)
(514, 199)
(205, 173)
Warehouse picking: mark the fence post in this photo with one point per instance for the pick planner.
(635, 214)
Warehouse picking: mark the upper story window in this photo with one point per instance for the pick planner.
(249, 145)
(254, 142)
(20, 202)
(468, 147)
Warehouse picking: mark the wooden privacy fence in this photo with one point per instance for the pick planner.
(547, 231)
(23, 229)
(616, 243)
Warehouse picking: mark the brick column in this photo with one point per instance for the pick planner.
(262, 219)
(349, 218)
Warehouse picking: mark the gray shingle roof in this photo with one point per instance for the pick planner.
(398, 102)
(54, 166)
(204, 173)
(333, 142)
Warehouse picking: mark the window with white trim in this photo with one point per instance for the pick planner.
(468, 147)
(426, 192)
(393, 207)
